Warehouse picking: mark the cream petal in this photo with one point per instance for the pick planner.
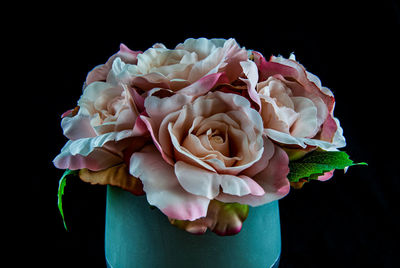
(218, 121)
(121, 72)
(277, 108)
(262, 163)
(196, 180)
(89, 152)
(182, 153)
(205, 183)
(182, 124)
(208, 65)
(233, 55)
(150, 57)
(306, 124)
(279, 92)
(157, 108)
(201, 46)
(194, 145)
(272, 179)
(251, 72)
(101, 72)
(275, 117)
(166, 151)
(163, 189)
(203, 85)
(245, 143)
(78, 126)
(285, 138)
(97, 159)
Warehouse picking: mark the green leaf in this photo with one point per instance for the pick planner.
(61, 186)
(317, 163)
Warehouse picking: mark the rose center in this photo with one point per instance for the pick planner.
(217, 139)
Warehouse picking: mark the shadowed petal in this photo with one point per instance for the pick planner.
(222, 218)
(116, 176)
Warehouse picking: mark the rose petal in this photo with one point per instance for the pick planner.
(151, 127)
(88, 152)
(272, 179)
(338, 139)
(100, 72)
(261, 164)
(300, 74)
(215, 55)
(233, 56)
(157, 108)
(162, 187)
(328, 129)
(205, 183)
(223, 219)
(251, 72)
(306, 122)
(197, 181)
(78, 126)
(326, 176)
(285, 138)
(268, 69)
(203, 85)
(121, 72)
(116, 175)
(98, 159)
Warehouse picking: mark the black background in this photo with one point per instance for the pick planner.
(349, 221)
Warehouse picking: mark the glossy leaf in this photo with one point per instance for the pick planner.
(316, 163)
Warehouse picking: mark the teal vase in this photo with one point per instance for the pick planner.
(138, 236)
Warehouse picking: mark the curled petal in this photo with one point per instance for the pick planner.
(222, 218)
(153, 130)
(116, 176)
(77, 126)
(98, 159)
(285, 138)
(157, 108)
(251, 72)
(338, 139)
(95, 153)
(299, 184)
(100, 73)
(328, 129)
(203, 85)
(310, 82)
(268, 68)
(326, 176)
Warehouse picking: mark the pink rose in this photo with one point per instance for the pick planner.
(297, 111)
(209, 148)
(177, 68)
(104, 123)
(99, 129)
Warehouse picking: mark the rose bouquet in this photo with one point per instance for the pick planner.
(204, 130)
